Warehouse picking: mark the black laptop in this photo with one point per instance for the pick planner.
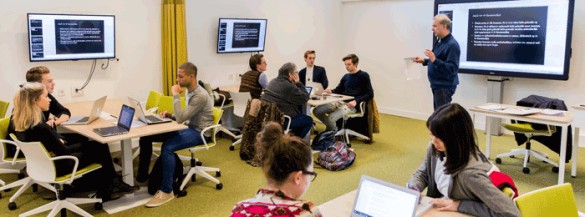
(124, 123)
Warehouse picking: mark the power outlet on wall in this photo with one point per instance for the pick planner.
(61, 92)
(76, 93)
(231, 77)
(238, 76)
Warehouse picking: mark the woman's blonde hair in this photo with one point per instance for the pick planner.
(26, 113)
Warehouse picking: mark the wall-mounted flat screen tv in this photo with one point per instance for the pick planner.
(512, 38)
(241, 35)
(71, 37)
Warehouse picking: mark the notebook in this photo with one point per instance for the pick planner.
(123, 126)
(95, 113)
(150, 119)
(379, 198)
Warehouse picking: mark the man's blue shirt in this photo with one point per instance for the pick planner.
(443, 72)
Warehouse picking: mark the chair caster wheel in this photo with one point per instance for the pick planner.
(218, 174)
(219, 186)
(512, 156)
(20, 175)
(525, 170)
(368, 141)
(348, 145)
(199, 163)
(573, 177)
(35, 187)
(116, 160)
(193, 178)
(232, 148)
(182, 193)
(556, 170)
(12, 206)
(498, 160)
(0, 196)
(8, 189)
(98, 206)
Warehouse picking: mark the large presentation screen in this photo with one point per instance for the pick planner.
(70, 37)
(522, 38)
(241, 35)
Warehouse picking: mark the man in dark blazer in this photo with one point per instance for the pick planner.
(315, 73)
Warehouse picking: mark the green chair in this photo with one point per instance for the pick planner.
(10, 164)
(3, 109)
(557, 200)
(195, 168)
(152, 101)
(529, 131)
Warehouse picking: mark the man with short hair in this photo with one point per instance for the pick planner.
(199, 113)
(255, 80)
(443, 62)
(313, 73)
(356, 83)
(288, 93)
(42, 74)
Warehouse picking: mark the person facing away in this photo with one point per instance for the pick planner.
(313, 73)
(442, 62)
(455, 170)
(255, 80)
(289, 94)
(28, 125)
(356, 83)
(199, 113)
(287, 164)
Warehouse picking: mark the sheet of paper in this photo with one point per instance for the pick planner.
(107, 116)
(412, 70)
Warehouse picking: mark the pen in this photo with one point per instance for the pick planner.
(114, 116)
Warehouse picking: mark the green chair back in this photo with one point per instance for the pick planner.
(557, 200)
(166, 104)
(153, 99)
(3, 109)
(4, 122)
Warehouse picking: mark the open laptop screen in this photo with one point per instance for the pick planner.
(376, 199)
(309, 89)
(125, 119)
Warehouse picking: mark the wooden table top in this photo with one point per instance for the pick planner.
(568, 118)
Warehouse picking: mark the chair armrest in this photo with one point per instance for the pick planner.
(17, 149)
(363, 107)
(69, 157)
(288, 125)
(205, 130)
(223, 99)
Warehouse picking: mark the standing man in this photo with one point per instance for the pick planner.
(199, 113)
(41, 74)
(356, 83)
(255, 80)
(313, 73)
(443, 62)
(288, 93)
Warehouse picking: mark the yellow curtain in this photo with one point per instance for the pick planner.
(174, 41)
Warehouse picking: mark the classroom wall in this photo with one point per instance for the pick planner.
(137, 48)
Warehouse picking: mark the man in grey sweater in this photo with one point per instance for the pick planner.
(199, 113)
(289, 94)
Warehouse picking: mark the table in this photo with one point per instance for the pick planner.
(343, 205)
(578, 122)
(113, 106)
(564, 122)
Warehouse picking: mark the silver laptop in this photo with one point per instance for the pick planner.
(317, 88)
(379, 198)
(150, 119)
(123, 126)
(95, 113)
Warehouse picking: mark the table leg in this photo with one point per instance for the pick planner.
(563, 154)
(488, 136)
(127, 170)
(575, 149)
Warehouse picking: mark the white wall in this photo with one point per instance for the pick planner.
(383, 33)
(293, 27)
(138, 46)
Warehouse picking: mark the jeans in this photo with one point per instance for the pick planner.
(172, 141)
(300, 125)
(441, 97)
(330, 113)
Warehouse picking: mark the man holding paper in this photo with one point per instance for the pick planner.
(442, 62)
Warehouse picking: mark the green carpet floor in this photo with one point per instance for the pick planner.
(395, 154)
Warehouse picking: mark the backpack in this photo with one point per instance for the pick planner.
(323, 140)
(336, 157)
(156, 174)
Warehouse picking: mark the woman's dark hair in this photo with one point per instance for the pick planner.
(452, 124)
(282, 154)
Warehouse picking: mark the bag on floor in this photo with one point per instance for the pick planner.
(336, 157)
(323, 140)
(156, 174)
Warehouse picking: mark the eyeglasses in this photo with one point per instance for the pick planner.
(314, 174)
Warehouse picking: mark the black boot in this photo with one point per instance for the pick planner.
(119, 186)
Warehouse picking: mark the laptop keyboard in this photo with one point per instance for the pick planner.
(115, 130)
(153, 118)
(84, 119)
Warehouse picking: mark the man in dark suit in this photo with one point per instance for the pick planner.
(312, 72)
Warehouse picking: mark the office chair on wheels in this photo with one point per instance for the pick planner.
(347, 132)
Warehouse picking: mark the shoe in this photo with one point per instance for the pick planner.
(159, 198)
(119, 187)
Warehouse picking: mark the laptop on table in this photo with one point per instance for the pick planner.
(123, 126)
(317, 88)
(150, 119)
(95, 113)
(309, 89)
(379, 198)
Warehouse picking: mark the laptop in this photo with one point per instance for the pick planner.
(309, 89)
(95, 113)
(379, 198)
(317, 87)
(150, 119)
(124, 123)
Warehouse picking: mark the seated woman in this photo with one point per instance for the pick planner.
(455, 169)
(287, 164)
(28, 125)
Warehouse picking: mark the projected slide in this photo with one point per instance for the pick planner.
(79, 36)
(241, 35)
